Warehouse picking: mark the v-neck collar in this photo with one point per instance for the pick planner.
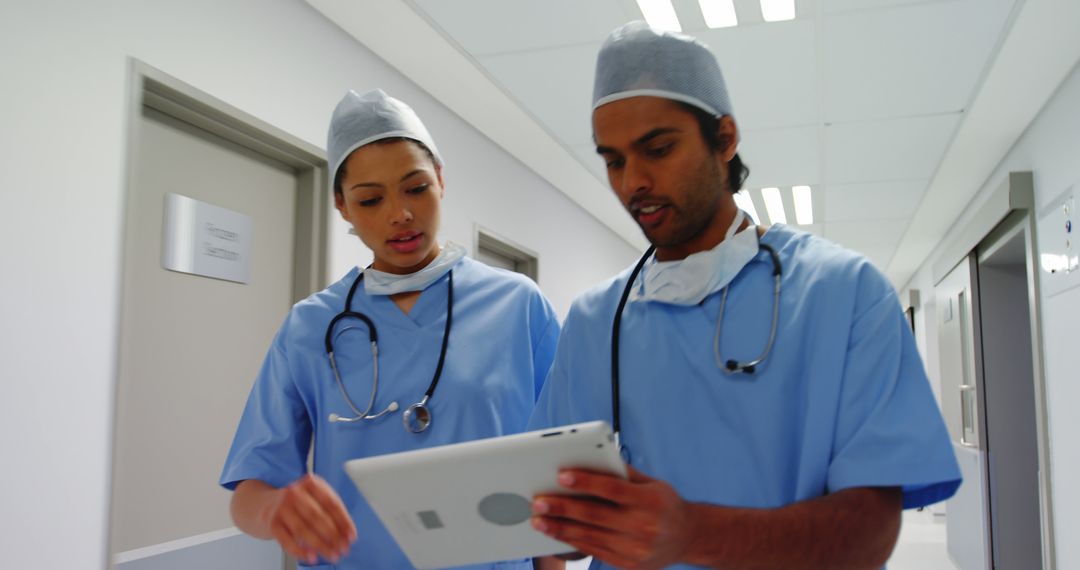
(429, 310)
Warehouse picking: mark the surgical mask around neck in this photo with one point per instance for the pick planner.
(689, 281)
(382, 283)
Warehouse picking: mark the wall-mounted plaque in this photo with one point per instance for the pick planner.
(204, 239)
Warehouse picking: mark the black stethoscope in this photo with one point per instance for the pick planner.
(417, 417)
(730, 366)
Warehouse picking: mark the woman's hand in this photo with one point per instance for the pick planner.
(307, 517)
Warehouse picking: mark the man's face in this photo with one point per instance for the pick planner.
(665, 174)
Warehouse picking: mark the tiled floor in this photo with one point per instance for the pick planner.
(922, 544)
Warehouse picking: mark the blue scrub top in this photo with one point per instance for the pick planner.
(842, 400)
(500, 350)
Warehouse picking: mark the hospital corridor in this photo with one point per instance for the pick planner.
(514, 284)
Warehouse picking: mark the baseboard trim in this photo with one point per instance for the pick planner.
(173, 545)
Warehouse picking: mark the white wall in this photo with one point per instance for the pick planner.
(62, 109)
(1050, 148)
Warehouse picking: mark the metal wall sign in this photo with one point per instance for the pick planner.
(204, 239)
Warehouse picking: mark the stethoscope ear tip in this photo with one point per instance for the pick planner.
(333, 418)
(393, 407)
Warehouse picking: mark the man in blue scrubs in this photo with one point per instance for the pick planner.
(772, 404)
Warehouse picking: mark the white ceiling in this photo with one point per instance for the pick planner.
(895, 111)
(857, 98)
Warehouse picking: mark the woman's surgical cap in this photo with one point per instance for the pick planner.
(363, 119)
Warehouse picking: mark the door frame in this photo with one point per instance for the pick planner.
(150, 87)
(1022, 221)
(1008, 207)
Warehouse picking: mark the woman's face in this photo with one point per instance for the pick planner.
(390, 193)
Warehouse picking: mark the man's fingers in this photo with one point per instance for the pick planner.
(636, 476)
(589, 511)
(572, 532)
(600, 485)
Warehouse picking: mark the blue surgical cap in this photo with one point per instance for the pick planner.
(637, 60)
(363, 119)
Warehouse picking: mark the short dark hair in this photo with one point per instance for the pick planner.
(709, 125)
(339, 176)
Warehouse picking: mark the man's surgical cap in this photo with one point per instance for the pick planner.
(637, 60)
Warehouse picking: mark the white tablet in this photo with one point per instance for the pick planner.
(470, 503)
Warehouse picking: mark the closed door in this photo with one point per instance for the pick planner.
(191, 346)
(957, 330)
(968, 531)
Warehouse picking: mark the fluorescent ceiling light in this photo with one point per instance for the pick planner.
(774, 205)
(719, 13)
(804, 205)
(660, 14)
(776, 10)
(746, 204)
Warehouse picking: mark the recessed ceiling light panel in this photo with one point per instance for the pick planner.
(719, 13)
(804, 205)
(774, 205)
(746, 204)
(660, 14)
(777, 10)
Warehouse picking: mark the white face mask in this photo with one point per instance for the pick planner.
(381, 283)
(688, 281)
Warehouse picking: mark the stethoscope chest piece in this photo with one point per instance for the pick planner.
(417, 417)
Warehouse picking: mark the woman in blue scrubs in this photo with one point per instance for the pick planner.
(475, 342)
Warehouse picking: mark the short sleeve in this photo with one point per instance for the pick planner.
(544, 346)
(553, 407)
(889, 430)
(274, 435)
